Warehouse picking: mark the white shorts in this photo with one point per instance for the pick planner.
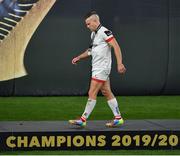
(100, 75)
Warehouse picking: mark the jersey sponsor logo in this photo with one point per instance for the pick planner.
(108, 32)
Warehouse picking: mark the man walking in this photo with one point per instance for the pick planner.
(100, 50)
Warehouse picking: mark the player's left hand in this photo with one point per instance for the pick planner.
(121, 68)
(75, 60)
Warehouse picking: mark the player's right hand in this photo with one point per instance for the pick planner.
(121, 68)
(75, 60)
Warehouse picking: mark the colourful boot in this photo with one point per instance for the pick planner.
(79, 122)
(118, 121)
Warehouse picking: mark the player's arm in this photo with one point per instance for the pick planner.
(117, 51)
(84, 55)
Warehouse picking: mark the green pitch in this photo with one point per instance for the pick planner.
(65, 108)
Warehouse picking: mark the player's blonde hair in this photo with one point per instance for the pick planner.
(95, 17)
(92, 15)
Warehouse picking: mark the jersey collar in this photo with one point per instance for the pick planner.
(98, 28)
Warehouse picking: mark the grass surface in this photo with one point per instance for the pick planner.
(65, 108)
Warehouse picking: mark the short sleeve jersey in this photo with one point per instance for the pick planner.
(101, 51)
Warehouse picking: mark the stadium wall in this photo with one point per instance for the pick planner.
(148, 32)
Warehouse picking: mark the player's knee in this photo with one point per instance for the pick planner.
(92, 94)
(106, 92)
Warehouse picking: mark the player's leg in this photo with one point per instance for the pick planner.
(106, 90)
(113, 104)
(93, 91)
(111, 100)
(95, 86)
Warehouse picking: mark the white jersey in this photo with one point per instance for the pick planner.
(101, 51)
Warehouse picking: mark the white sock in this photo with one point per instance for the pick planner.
(89, 108)
(113, 104)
